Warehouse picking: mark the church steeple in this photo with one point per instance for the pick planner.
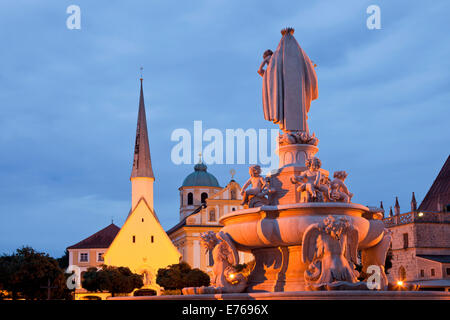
(397, 207)
(142, 163)
(142, 177)
(413, 203)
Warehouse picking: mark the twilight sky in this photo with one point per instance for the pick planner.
(69, 100)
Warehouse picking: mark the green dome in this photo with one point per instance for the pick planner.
(200, 178)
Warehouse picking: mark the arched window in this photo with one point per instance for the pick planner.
(204, 196)
(212, 215)
(233, 194)
(402, 273)
(190, 199)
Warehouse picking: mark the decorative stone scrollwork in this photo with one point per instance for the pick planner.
(297, 137)
(225, 279)
(330, 250)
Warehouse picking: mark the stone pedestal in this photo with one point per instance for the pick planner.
(295, 154)
(277, 269)
(292, 162)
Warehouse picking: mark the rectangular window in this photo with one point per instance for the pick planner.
(100, 257)
(405, 241)
(422, 273)
(433, 272)
(134, 239)
(448, 271)
(152, 239)
(84, 257)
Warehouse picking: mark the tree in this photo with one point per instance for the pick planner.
(26, 272)
(63, 261)
(180, 275)
(197, 278)
(111, 279)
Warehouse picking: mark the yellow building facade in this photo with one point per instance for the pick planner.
(142, 245)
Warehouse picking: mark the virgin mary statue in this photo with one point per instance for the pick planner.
(289, 84)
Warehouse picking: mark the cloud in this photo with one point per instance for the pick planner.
(68, 100)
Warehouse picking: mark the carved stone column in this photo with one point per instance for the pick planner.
(295, 154)
(277, 269)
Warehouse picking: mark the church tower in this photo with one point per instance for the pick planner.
(142, 177)
(142, 244)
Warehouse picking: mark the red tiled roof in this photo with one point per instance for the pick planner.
(100, 239)
(438, 197)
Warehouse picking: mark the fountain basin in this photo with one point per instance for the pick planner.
(273, 234)
(284, 225)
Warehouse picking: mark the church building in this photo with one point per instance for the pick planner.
(141, 244)
(202, 203)
(421, 238)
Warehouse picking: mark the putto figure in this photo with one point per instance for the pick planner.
(289, 84)
(338, 190)
(330, 250)
(255, 196)
(225, 279)
(312, 183)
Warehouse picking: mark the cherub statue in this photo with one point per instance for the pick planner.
(330, 250)
(225, 279)
(258, 184)
(311, 182)
(338, 191)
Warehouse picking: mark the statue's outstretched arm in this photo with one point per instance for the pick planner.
(261, 67)
(261, 70)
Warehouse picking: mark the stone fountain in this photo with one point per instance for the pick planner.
(300, 225)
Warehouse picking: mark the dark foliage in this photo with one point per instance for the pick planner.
(25, 273)
(111, 279)
(180, 275)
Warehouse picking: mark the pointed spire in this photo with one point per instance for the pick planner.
(413, 203)
(142, 163)
(397, 207)
(381, 205)
(390, 212)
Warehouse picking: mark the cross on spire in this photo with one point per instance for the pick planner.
(232, 172)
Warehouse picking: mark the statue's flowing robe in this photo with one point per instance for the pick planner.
(289, 86)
